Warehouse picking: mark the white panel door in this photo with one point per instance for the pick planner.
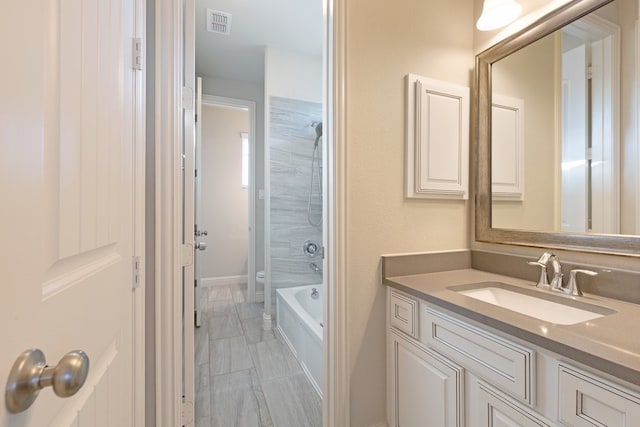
(66, 188)
(574, 140)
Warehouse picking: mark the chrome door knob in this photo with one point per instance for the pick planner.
(30, 374)
(201, 246)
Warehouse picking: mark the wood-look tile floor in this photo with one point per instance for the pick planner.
(246, 376)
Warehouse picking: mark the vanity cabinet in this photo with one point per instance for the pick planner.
(446, 370)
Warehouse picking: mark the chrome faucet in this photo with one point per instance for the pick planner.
(572, 287)
(543, 263)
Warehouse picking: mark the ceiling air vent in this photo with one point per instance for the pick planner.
(218, 22)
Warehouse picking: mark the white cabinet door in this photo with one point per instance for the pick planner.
(425, 389)
(494, 409)
(67, 159)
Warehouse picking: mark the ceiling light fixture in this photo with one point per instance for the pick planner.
(498, 13)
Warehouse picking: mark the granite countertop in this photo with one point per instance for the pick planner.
(610, 344)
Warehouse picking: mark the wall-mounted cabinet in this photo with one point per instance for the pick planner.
(437, 139)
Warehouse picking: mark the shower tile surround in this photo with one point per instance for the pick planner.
(246, 376)
(291, 143)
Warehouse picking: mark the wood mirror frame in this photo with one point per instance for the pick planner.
(481, 138)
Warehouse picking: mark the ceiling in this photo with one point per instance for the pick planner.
(292, 25)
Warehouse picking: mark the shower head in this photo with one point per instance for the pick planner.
(318, 134)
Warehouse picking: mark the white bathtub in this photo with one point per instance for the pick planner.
(300, 322)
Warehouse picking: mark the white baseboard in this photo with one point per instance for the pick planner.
(382, 424)
(223, 281)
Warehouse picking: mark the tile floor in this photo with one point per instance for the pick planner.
(246, 376)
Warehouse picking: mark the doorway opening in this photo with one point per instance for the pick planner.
(590, 97)
(257, 342)
(225, 229)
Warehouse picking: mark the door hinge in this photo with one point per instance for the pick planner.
(136, 52)
(187, 254)
(136, 272)
(187, 98)
(589, 72)
(187, 412)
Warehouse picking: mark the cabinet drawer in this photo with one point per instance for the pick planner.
(404, 313)
(585, 400)
(505, 364)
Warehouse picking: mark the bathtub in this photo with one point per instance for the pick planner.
(299, 319)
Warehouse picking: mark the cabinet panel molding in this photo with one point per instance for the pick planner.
(507, 148)
(425, 388)
(499, 361)
(586, 400)
(437, 139)
(498, 410)
(404, 313)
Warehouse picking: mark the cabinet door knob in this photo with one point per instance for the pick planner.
(30, 374)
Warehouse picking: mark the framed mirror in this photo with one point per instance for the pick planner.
(557, 132)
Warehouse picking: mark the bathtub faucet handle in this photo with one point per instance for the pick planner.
(314, 293)
(315, 267)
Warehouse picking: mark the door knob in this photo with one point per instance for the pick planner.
(201, 246)
(30, 374)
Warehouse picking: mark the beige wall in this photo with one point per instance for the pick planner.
(224, 203)
(250, 92)
(385, 42)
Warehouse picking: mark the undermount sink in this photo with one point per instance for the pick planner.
(547, 307)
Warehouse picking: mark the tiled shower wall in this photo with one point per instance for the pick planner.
(291, 147)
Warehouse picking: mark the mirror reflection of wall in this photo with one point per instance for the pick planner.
(578, 87)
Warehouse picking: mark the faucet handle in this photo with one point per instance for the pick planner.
(572, 287)
(545, 258)
(543, 281)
